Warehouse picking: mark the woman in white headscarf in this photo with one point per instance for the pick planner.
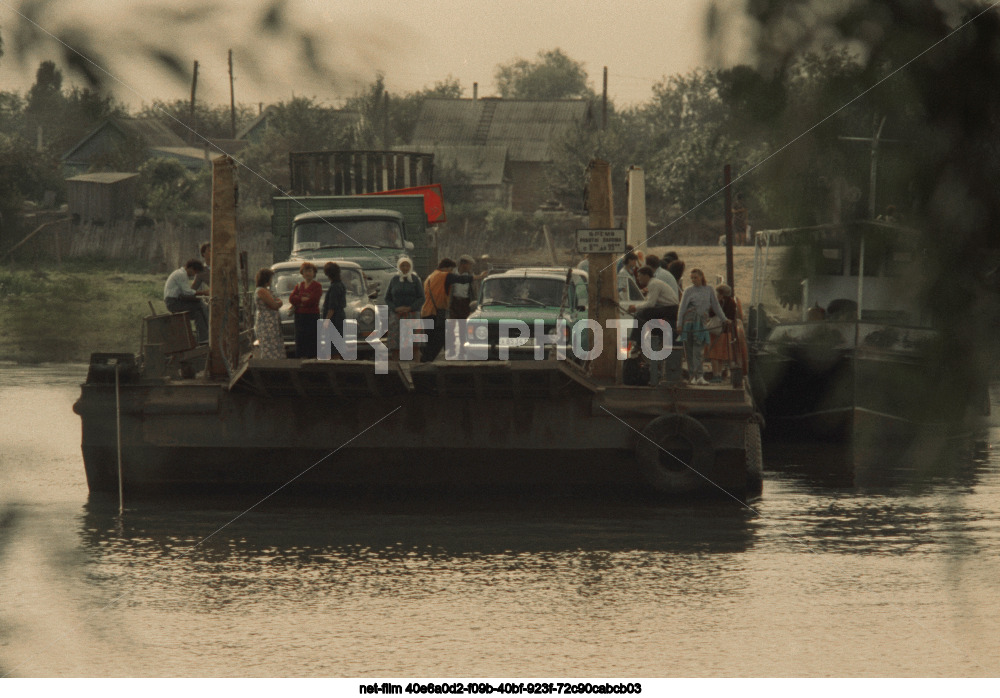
(404, 297)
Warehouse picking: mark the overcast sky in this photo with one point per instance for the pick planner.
(413, 43)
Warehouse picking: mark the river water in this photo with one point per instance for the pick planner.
(894, 571)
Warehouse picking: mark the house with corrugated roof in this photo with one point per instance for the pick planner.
(483, 171)
(526, 130)
(149, 135)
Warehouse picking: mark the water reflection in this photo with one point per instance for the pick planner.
(867, 466)
(298, 527)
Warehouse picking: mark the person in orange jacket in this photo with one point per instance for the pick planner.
(436, 288)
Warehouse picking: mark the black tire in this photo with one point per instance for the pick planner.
(675, 453)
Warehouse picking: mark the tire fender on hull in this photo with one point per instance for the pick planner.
(675, 453)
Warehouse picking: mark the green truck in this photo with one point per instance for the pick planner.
(374, 230)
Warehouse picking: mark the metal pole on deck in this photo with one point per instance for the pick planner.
(118, 423)
(727, 175)
(861, 273)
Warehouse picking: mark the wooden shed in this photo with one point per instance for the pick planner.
(102, 197)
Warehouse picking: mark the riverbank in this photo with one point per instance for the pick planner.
(49, 315)
(64, 315)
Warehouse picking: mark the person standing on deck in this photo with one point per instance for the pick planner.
(660, 272)
(267, 321)
(335, 302)
(676, 269)
(630, 263)
(404, 296)
(697, 300)
(436, 289)
(460, 298)
(723, 349)
(305, 299)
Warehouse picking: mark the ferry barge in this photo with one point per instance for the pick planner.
(483, 427)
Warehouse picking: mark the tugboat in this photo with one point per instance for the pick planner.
(157, 422)
(839, 342)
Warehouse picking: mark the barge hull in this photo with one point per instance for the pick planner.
(198, 434)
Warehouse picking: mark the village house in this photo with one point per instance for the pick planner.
(149, 137)
(474, 132)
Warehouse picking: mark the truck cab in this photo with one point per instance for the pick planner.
(375, 239)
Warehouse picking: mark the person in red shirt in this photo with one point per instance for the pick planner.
(305, 299)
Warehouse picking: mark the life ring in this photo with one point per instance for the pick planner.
(675, 453)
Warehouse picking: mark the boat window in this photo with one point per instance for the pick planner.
(832, 261)
(898, 262)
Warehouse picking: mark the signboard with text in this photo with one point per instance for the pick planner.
(600, 241)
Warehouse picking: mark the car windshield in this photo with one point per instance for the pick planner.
(285, 280)
(523, 291)
(316, 235)
(634, 294)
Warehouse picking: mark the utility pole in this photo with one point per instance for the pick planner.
(194, 87)
(232, 97)
(604, 101)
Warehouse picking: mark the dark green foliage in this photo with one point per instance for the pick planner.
(552, 75)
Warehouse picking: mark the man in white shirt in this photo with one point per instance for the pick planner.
(179, 296)
(660, 304)
(660, 272)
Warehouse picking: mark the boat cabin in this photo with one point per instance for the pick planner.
(867, 271)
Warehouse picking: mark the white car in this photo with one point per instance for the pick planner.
(360, 307)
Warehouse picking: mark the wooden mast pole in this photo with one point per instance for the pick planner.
(727, 176)
(224, 316)
(602, 288)
(232, 98)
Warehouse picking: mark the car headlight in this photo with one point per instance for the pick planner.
(366, 319)
(482, 332)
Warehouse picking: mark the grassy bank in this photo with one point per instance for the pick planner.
(65, 315)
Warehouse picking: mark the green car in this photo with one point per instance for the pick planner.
(543, 295)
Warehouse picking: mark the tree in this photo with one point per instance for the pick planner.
(552, 75)
(168, 190)
(300, 124)
(930, 69)
(210, 121)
